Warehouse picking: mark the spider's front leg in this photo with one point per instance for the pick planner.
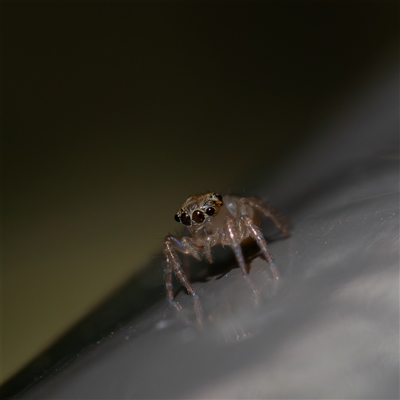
(173, 264)
(234, 239)
(257, 235)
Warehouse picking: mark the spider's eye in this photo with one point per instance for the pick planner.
(177, 218)
(198, 216)
(210, 211)
(218, 196)
(185, 219)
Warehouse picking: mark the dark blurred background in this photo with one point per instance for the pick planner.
(114, 113)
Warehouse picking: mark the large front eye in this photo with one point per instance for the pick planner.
(185, 219)
(198, 216)
(177, 218)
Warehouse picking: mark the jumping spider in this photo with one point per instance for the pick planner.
(212, 220)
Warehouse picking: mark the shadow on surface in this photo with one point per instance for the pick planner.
(137, 295)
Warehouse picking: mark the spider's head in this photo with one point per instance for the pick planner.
(198, 209)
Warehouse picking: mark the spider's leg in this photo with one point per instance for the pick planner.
(280, 220)
(235, 243)
(257, 235)
(173, 263)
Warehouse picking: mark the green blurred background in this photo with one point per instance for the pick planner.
(114, 113)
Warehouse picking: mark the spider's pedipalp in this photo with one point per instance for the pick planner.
(190, 247)
(209, 242)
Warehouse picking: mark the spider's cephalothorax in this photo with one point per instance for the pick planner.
(212, 220)
(197, 209)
